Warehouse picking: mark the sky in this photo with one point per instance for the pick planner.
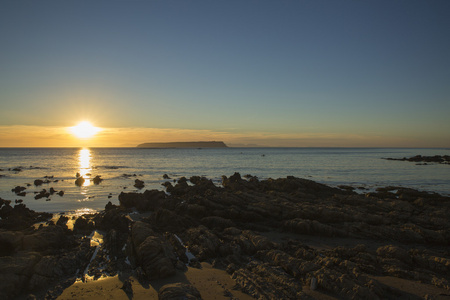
(267, 73)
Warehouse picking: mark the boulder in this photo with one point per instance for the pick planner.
(10, 242)
(38, 182)
(80, 181)
(139, 232)
(149, 200)
(45, 238)
(15, 272)
(83, 225)
(112, 219)
(156, 258)
(138, 184)
(178, 291)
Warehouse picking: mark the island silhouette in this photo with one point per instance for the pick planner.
(208, 144)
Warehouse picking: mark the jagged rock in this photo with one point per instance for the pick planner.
(83, 225)
(395, 252)
(15, 272)
(178, 291)
(18, 189)
(46, 238)
(202, 242)
(19, 216)
(156, 258)
(168, 220)
(312, 228)
(42, 194)
(110, 206)
(112, 219)
(139, 232)
(62, 221)
(263, 281)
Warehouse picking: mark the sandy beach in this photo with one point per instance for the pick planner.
(286, 238)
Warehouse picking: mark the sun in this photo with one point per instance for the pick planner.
(84, 130)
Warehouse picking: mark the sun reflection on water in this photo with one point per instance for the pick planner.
(84, 159)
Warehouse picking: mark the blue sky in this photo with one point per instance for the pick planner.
(278, 73)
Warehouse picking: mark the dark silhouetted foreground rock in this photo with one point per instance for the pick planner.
(178, 291)
(277, 238)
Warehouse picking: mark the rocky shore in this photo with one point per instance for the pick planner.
(440, 159)
(286, 238)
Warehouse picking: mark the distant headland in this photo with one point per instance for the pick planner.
(212, 144)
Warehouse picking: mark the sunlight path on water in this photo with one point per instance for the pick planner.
(84, 158)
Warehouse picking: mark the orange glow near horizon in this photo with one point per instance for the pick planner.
(84, 130)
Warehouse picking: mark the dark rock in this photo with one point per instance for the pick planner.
(139, 232)
(79, 181)
(10, 242)
(127, 287)
(149, 200)
(38, 182)
(263, 281)
(202, 242)
(15, 272)
(110, 206)
(112, 219)
(165, 176)
(18, 189)
(83, 225)
(178, 291)
(156, 258)
(97, 179)
(61, 193)
(138, 184)
(50, 237)
(62, 221)
(42, 194)
(218, 223)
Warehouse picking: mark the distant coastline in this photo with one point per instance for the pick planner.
(209, 144)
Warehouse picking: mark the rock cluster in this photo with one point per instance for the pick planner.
(441, 159)
(263, 233)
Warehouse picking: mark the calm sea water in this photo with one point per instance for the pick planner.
(358, 167)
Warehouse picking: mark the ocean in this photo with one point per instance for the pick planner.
(120, 167)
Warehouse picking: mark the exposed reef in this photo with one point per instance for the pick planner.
(441, 159)
(286, 238)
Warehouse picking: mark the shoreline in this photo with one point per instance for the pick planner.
(270, 238)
